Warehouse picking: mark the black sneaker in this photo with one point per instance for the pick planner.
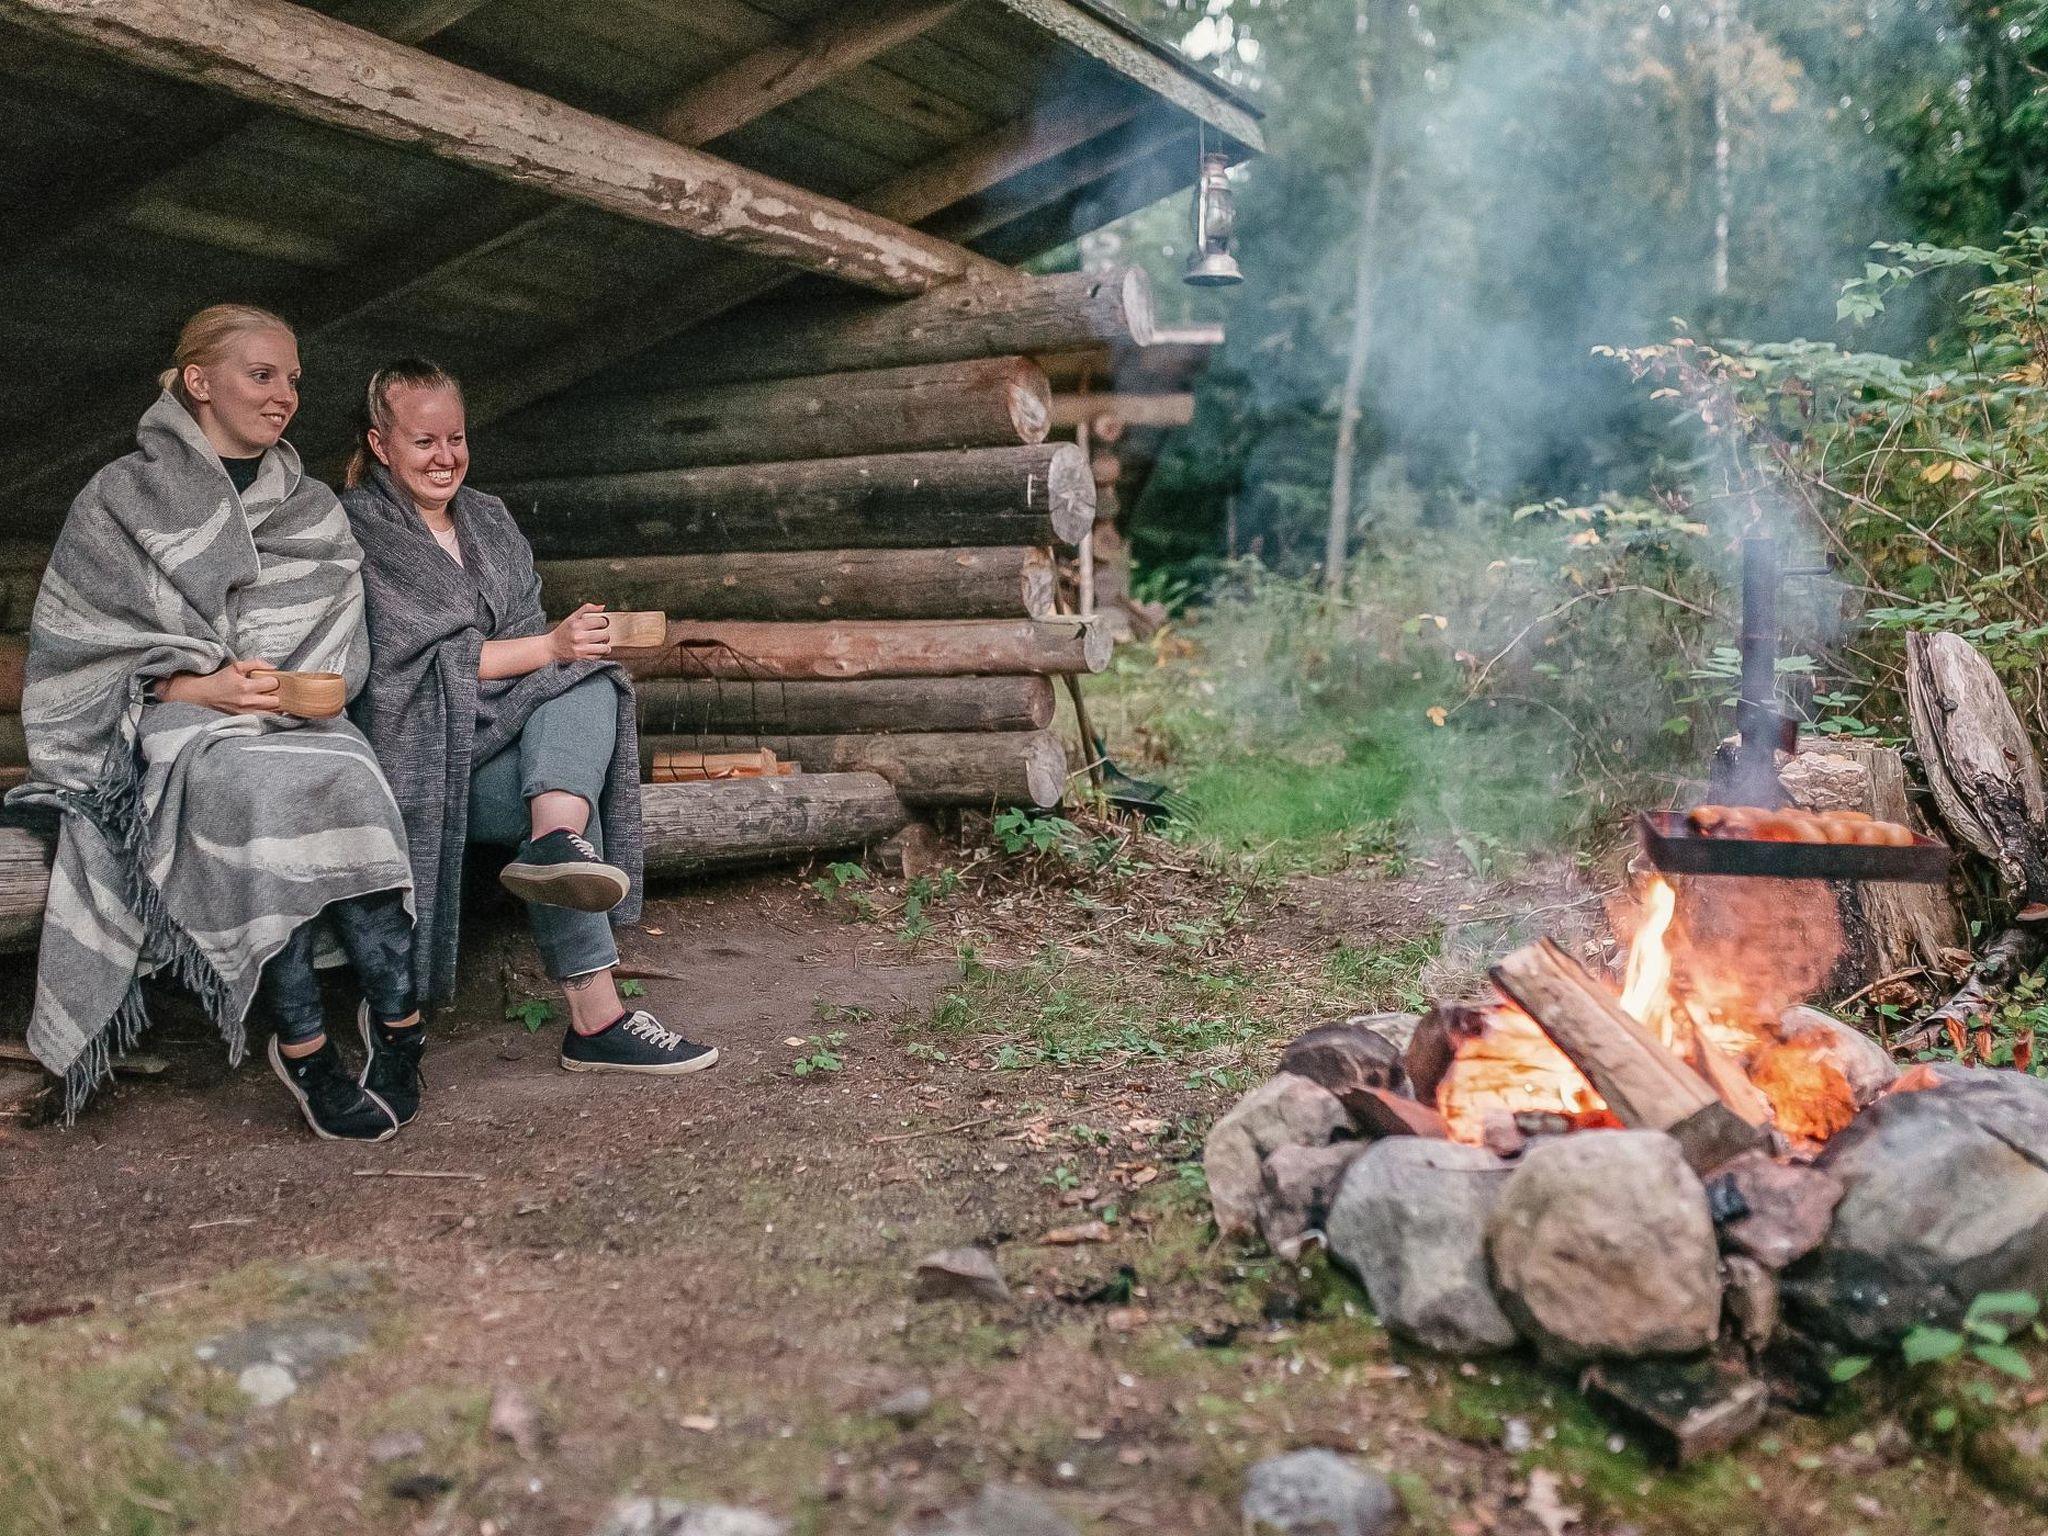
(635, 1042)
(563, 870)
(334, 1104)
(391, 1064)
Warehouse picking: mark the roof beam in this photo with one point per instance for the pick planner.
(750, 87)
(284, 56)
(104, 194)
(912, 197)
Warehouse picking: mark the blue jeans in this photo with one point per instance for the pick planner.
(566, 744)
(376, 932)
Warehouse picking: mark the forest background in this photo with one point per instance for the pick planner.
(1551, 301)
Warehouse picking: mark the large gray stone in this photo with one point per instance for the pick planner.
(1867, 1065)
(1601, 1245)
(1317, 1493)
(1947, 1198)
(1349, 1056)
(1283, 1111)
(1410, 1221)
(1297, 1186)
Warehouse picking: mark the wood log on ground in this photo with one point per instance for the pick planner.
(975, 583)
(1889, 928)
(1040, 494)
(876, 648)
(292, 58)
(689, 828)
(981, 768)
(1044, 314)
(1979, 760)
(679, 706)
(1644, 1084)
(981, 403)
(2005, 959)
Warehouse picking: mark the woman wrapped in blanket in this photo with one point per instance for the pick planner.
(203, 830)
(494, 726)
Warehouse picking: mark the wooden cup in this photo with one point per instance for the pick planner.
(311, 695)
(642, 631)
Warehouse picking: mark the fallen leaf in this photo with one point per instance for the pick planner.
(1546, 1505)
(1437, 714)
(702, 1423)
(1086, 1232)
(797, 1040)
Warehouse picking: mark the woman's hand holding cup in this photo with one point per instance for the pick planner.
(239, 688)
(583, 636)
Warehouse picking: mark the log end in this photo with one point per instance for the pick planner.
(1045, 770)
(1096, 644)
(1070, 492)
(1029, 395)
(1137, 300)
(1040, 584)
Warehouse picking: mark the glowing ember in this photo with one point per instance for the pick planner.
(1714, 1003)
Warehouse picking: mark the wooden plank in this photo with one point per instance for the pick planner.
(750, 87)
(1040, 494)
(1112, 40)
(108, 193)
(981, 403)
(284, 56)
(1133, 181)
(862, 648)
(1175, 410)
(683, 707)
(994, 768)
(969, 583)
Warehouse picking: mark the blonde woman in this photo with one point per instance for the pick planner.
(494, 726)
(202, 829)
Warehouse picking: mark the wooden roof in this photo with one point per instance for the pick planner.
(157, 158)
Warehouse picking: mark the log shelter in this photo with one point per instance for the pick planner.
(738, 292)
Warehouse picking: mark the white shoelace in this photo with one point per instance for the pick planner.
(582, 845)
(642, 1024)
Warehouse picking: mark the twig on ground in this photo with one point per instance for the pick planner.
(222, 1221)
(1882, 981)
(964, 1125)
(414, 1173)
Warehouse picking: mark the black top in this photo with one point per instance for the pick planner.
(242, 471)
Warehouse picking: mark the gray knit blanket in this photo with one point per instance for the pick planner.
(430, 717)
(190, 842)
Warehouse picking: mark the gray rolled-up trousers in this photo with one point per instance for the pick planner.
(566, 744)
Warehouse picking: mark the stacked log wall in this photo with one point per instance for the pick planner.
(849, 512)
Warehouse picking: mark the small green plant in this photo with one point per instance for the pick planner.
(837, 883)
(823, 1055)
(533, 1012)
(631, 988)
(922, 891)
(1063, 1178)
(1986, 1335)
(1020, 831)
(924, 1050)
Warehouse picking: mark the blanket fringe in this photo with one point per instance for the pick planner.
(114, 806)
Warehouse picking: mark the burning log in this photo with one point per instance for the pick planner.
(1644, 1084)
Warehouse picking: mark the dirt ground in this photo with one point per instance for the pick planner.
(702, 1287)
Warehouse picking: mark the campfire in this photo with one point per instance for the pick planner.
(1692, 1042)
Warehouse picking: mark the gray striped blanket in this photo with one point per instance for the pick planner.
(191, 842)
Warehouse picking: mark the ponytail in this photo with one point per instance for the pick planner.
(404, 373)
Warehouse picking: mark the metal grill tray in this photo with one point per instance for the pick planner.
(1673, 846)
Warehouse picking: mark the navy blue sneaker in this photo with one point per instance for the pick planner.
(564, 870)
(335, 1105)
(635, 1042)
(391, 1064)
